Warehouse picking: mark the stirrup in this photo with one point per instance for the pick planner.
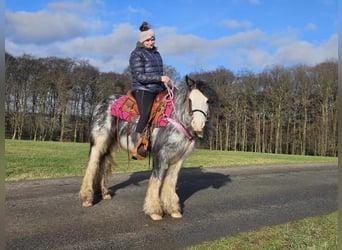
(140, 151)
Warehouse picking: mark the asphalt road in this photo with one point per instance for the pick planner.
(47, 214)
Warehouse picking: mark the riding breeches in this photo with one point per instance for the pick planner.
(145, 101)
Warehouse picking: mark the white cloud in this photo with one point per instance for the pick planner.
(307, 53)
(75, 7)
(248, 39)
(59, 21)
(119, 42)
(252, 49)
(254, 2)
(186, 44)
(235, 24)
(311, 26)
(141, 11)
(42, 27)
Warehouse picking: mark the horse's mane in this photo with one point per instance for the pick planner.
(208, 89)
(180, 104)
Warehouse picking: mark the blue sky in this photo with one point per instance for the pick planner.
(191, 35)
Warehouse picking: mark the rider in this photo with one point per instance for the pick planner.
(146, 67)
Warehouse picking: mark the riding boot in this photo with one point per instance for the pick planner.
(140, 150)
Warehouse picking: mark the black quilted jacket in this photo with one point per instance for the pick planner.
(147, 68)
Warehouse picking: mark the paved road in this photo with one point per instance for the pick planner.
(47, 214)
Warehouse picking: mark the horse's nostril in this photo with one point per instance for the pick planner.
(197, 124)
(199, 134)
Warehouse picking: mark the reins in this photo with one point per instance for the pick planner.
(180, 127)
(176, 124)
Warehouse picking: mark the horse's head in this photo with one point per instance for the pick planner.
(198, 107)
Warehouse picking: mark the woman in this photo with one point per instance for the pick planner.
(148, 78)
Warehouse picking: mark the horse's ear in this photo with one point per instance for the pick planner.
(190, 82)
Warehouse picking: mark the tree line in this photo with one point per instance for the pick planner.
(288, 110)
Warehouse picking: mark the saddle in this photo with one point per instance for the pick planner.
(126, 108)
(158, 108)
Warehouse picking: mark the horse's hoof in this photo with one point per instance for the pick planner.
(156, 217)
(176, 215)
(87, 203)
(106, 197)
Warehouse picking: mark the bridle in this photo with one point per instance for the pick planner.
(191, 111)
(179, 125)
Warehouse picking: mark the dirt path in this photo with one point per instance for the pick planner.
(47, 214)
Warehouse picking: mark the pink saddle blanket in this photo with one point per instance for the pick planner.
(117, 111)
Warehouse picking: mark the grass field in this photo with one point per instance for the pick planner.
(37, 160)
(313, 233)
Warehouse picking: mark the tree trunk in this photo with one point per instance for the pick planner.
(227, 143)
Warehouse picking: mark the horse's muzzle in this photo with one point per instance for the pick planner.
(199, 133)
(197, 125)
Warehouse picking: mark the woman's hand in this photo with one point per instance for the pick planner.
(165, 79)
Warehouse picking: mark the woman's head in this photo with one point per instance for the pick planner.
(147, 35)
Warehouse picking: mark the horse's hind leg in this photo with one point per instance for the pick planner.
(168, 196)
(92, 172)
(105, 170)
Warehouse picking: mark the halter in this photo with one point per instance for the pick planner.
(179, 125)
(191, 111)
(176, 124)
(198, 110)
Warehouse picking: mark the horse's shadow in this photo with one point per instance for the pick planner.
(134, 179)
(191, 180)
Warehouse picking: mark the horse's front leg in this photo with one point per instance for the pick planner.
(152, 204)
(168, 196)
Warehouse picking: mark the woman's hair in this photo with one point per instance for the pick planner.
(144, 26)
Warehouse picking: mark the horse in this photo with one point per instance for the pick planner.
(170, 146)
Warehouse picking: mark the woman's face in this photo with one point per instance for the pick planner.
(149, 43)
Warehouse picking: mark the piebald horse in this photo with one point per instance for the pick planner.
(170, 146)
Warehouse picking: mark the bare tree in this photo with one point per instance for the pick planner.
(326, 83)
(280, 110)
(84, 76)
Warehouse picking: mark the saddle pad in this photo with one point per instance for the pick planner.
(117, 111)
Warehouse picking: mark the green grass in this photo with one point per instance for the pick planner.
(37, 160)
(27, 160)
(207, 158)
(311, 233)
